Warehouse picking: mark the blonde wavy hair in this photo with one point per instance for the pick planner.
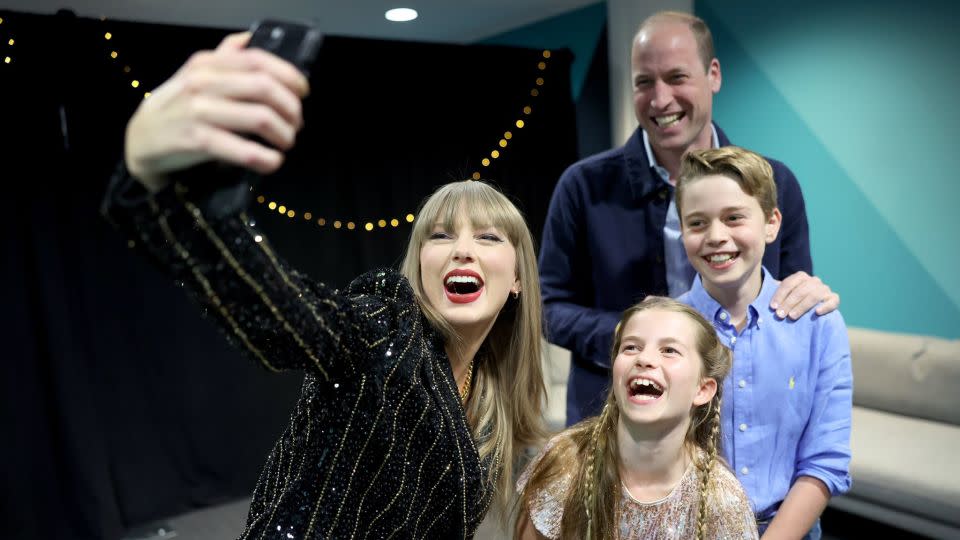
(591, 503)
(505, 405)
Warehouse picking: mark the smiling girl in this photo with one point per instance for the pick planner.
(647, 467)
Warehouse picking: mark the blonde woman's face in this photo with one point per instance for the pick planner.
(657, 371)
(467, 274)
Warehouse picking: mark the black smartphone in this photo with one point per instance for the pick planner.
(296, 43)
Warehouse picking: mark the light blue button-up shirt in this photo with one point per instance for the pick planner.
(679, 271)
(787, 400)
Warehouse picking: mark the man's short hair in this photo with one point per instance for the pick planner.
(701, 32)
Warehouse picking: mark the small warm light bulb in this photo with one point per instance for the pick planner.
(539, 81)
(261, 199)
(495, 154)
(126, 69)
(1, 20)
(291, 213)
(337, 224)
(409, 218)
(107, 36)
(272, 205)
(400, 14)
(135, 83)
(308, 216)
(520, 124)
(382, 223)
(542, 66)
(508, 135)
(546, 54)
(351, 225)
(476, 176)
(146, 95)
(534, 92)
(368, 226)
(321, 222)
(394, 222)
(6, 60)
(485, 162)
(527, 110)
(282, 209)
(503, 143)
(113, 54)
(10, 42)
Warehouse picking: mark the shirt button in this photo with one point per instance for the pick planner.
(744, 471)
(733, 339)
(723, 316)
(743, 383)
(743, 427)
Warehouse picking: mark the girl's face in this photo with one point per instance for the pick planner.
(467, 273)
(657, 371)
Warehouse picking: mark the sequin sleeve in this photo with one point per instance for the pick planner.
(545, 506)
(731, 517)
(204, 240)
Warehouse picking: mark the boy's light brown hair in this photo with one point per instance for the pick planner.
(748, 169)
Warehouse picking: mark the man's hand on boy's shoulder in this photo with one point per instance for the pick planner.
(799, 293)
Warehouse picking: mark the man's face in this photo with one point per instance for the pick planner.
(672, 90)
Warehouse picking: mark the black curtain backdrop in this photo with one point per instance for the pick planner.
(120, 404)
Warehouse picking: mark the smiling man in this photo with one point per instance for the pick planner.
(612, 235)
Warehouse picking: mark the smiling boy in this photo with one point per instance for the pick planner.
(787, 402)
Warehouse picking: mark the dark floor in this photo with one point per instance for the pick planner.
(225, 522)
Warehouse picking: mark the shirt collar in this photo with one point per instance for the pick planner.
(652, 159)
(701, 300)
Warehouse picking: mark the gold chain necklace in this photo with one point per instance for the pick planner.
(465, 391)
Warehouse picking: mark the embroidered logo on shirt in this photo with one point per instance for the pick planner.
(792, 383)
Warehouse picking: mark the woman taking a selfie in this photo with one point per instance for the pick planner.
(422, 386)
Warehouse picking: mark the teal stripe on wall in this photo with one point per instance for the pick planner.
(858, 99)
(578, 30)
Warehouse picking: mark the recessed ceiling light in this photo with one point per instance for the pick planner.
(401, 14)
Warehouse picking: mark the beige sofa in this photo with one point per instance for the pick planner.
(906, 432)
(906, 429)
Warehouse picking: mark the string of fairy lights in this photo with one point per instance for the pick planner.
(287, 210)
(8, 48)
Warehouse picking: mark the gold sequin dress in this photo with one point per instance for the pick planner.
(729, 516)
(378, 445)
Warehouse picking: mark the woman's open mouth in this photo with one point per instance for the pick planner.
(462, 286)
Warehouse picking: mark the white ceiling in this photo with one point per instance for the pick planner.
(452, 21)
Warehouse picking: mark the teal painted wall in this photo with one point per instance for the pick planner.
(859, 99)
(578, 30)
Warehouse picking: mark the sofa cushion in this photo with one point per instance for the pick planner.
(906, 374)
(906, 463)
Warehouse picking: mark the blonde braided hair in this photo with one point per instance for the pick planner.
(707, 468)
(598, 445)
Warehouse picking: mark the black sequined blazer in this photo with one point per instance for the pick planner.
(378, 445)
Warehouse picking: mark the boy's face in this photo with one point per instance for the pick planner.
(724, 234)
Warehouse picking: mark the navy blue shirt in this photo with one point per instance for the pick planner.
(603, 251)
